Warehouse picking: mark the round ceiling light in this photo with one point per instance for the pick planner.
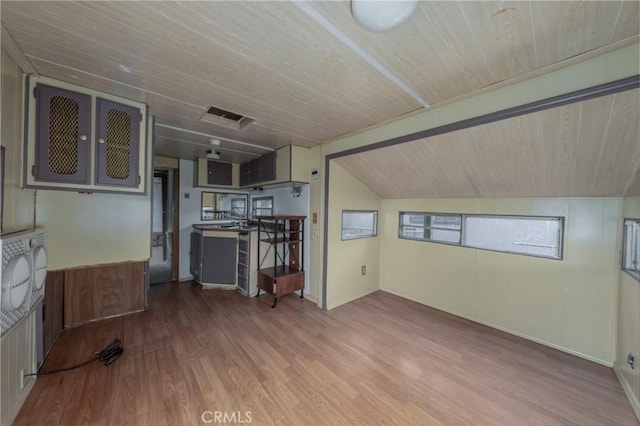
(378, 16)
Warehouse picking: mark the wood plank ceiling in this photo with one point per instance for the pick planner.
(270, 61)
(590, 148)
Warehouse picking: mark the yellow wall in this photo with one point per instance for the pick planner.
(97, 228)
(315, 248)
(345, 258)
(92, 229)
(18, 207)
(568, 304)
(16, 348)
(629, 315)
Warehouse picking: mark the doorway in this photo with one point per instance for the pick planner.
(163, 264)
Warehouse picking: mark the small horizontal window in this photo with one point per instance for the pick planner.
(535, 236)
(262, 206)
(359, 224)
(529, 235)
(443, 228)
(631, 248)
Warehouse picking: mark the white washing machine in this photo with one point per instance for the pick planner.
(22, 276)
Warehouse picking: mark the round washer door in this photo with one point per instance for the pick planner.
(15, 282)
(39, 267)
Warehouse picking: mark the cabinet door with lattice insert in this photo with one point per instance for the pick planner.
(117, 147)
(62, 135)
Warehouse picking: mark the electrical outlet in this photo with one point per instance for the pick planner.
(364, 269)
(21, 378)
(631, 360)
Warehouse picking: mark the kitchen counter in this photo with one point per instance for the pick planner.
(223, 227)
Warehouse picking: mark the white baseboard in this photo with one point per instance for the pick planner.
(633, 399)
(591, 358)
(21, 399)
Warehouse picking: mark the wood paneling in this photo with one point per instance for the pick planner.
(270, 61)
(588, 148)
(378, 360)
(53, 318)
(103, 291)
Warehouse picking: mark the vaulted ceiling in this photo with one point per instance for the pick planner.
(302, 82)
(589, 148)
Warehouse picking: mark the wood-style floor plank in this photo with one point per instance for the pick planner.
(378, 360)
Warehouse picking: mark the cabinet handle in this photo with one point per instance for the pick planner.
(83, 137)
(101, 140)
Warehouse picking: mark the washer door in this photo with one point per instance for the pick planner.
(16, 282)
(39, 268)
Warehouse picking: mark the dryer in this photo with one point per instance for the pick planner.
(16, 272)
(38, 249)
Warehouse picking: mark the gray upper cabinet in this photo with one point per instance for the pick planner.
(261, 169)
(219, 173)
(245, 175)
(80, 139)
(268, 167)
(117, 148)
(63, 135)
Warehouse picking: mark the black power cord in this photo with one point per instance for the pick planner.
(107, 356)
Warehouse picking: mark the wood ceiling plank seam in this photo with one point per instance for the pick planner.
(628, 21)
(13, 48)
(271, 140)
(335, 93)
(475, 38)
(321, 112)
(202, 145)
(365, 55)
(150, 77)
(449, 47)
(533, 35)
(615, 23)
(146, 99)
(626, 145)
(603, 145)
(253, 135)
(503, 28)
(475, 192)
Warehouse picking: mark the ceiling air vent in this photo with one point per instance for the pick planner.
(226, 118)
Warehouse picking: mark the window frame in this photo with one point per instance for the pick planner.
(560, 237)
(430, 240)
(254, 208)
(359, 237)
(635, 273)
(463, 241)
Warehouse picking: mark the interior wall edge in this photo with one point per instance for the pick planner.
(28, 387)
(628, 390)
(561, 348)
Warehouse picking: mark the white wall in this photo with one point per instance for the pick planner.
(568, 304)
(345, 258)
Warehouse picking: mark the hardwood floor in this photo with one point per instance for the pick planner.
(378, 360)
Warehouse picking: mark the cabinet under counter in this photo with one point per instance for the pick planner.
(224, 257)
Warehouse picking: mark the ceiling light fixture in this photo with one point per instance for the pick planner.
(378, 16)
(215, 141)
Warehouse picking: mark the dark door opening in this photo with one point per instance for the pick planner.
(163, 264)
